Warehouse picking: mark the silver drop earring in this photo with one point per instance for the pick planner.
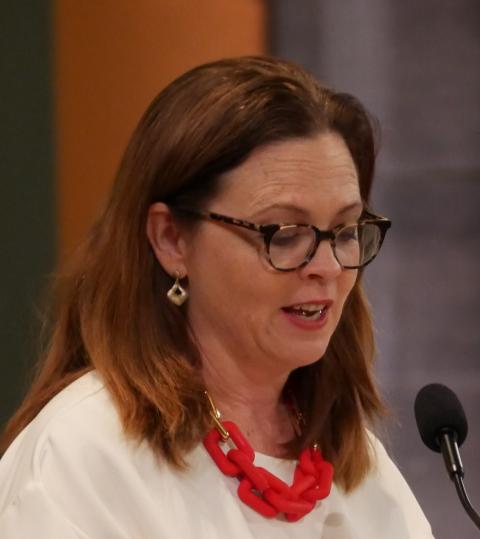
(177, 294)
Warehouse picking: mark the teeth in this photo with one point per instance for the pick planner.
(309, 307)
(312, 311)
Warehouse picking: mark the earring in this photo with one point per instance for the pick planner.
(177, 294)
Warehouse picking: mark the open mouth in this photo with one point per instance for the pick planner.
(307, 311)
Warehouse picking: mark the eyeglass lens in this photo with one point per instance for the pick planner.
(354, 245)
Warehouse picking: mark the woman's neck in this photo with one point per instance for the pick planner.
(253, 401)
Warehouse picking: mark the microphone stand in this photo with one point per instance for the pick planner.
(453, 462)
(462, 494)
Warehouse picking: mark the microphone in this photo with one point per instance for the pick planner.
(443, 428)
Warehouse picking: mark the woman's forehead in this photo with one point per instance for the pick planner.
(295, 174)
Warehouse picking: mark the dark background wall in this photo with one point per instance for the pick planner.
(416, 65)
(27, 234)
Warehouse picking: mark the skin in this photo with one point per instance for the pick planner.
(248, 345)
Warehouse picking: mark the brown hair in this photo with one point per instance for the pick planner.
(112, 314)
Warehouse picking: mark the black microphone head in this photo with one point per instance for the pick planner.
(437, 408)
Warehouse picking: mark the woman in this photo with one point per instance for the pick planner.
(217, 300)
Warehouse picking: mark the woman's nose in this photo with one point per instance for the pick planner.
(323, 264)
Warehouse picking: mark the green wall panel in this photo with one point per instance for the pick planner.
(27, 236)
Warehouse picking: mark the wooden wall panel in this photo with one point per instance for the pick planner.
(111, 58)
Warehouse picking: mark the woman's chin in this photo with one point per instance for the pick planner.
(301, 356)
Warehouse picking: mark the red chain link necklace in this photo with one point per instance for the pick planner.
(261, 490)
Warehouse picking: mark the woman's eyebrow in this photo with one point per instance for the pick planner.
(285, 206)
(302, 212)
(357, 205)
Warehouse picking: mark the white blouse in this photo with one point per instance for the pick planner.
(72, 473)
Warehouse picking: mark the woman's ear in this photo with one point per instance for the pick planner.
(166, 239)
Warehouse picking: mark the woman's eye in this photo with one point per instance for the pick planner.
(287, 237)
(348, 234)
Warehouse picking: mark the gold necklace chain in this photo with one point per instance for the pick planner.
(297, 419)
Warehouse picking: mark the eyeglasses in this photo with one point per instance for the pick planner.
(292, 246)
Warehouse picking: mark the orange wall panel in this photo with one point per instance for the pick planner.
(111, 58)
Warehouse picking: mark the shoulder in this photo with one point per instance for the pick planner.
(386, 488)
(72, 426)
(83, 407)
(75, 460)
(385, 470)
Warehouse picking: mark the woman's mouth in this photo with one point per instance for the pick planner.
(311, 315)
(309, 311)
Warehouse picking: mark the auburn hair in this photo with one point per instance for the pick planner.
(110, 309)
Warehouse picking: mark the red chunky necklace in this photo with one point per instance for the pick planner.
(261, 490)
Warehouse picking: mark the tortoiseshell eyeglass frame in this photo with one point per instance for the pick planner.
(269, 230)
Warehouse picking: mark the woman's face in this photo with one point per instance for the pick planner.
(239, 305)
